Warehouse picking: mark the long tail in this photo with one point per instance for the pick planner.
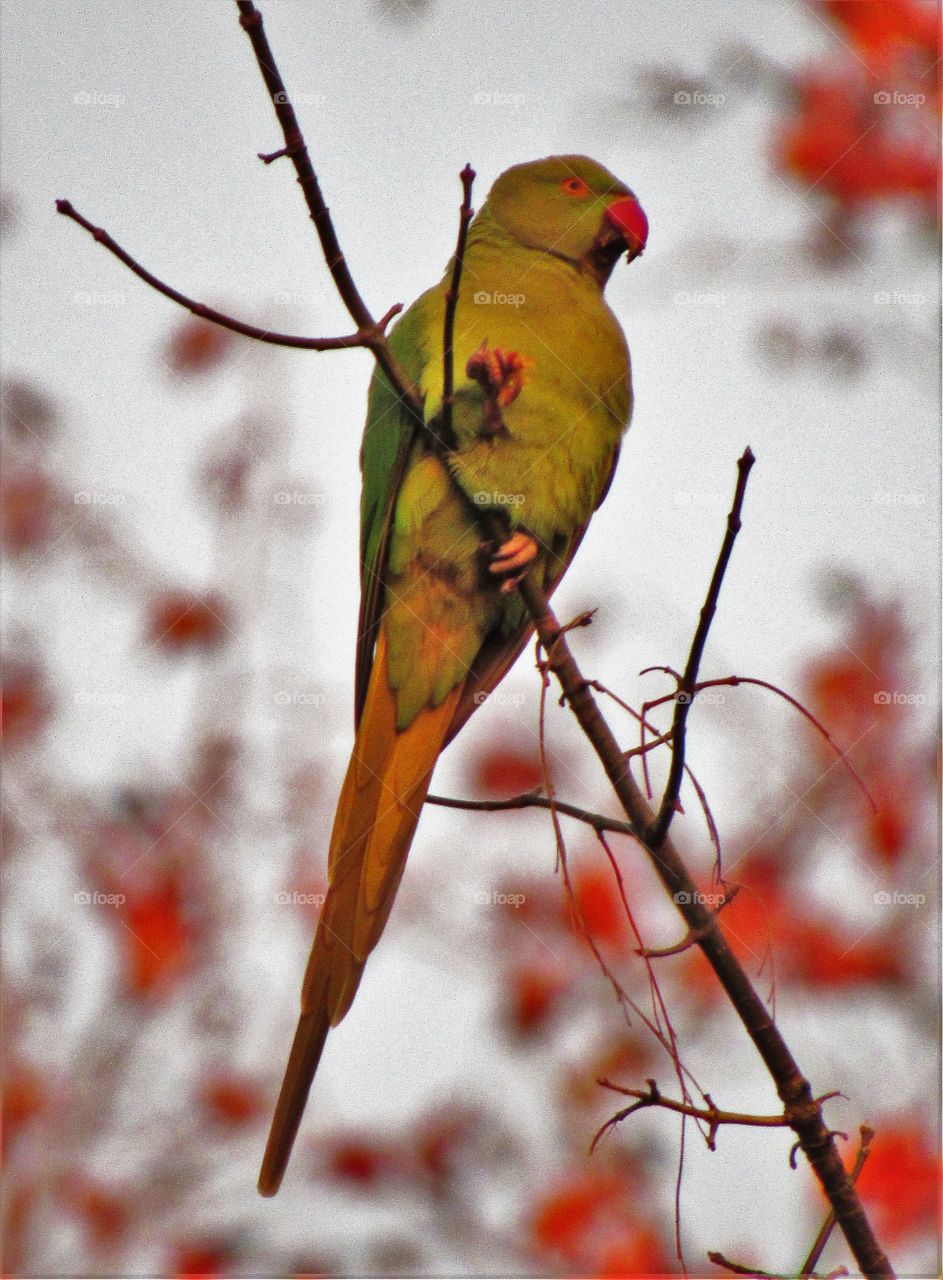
(383, 793)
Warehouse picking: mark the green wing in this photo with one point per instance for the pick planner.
(388, 437)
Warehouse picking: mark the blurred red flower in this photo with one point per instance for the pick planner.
(232, 1100)
(508, 771)
(196, 346)
(356, 1160)
(864, 124)
(563, 1219)
(534, 993)
(596, 894)
(180, 620)
(900, 1182)
(25, 703)
(157, 940)
(28, 503)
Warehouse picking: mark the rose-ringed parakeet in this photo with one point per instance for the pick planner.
(542, 398)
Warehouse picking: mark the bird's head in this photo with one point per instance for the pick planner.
(572, 207)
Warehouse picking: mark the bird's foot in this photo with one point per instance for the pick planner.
(512, 558)
(500, 374)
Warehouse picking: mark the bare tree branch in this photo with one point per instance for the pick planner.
(804, 1113)
(733, 682)
(362, 338)
(685, 694)
(534, 800)
(821, 1240)
(451, 303)
(739, 1269)
(296, 150)
(710, 1114)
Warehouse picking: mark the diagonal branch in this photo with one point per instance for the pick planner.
(296, 150)
(805, 1114)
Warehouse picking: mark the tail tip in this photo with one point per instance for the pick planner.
(269, 1183)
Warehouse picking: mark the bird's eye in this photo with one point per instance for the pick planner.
(575, 187)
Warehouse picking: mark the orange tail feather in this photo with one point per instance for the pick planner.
(379, 806)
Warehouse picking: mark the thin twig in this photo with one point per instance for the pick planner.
(534, 800)
(686, 692)
(691, 938)
(466, 213)
(659, 1005)
(732, 682)
(296, 150)
(362, 338)
(710, 1114)
(643, 749)
(626, 1002)
(739, 1269)
(668, 1039)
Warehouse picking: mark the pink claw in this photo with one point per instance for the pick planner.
(512, 558)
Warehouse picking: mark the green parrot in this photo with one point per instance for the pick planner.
(542, 397)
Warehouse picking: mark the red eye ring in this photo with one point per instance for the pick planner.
(575, 187)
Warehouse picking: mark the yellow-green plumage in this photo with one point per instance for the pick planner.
(436, 631)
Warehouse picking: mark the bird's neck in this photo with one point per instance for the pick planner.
(487, 238)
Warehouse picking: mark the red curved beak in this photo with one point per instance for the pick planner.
(628, 218)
